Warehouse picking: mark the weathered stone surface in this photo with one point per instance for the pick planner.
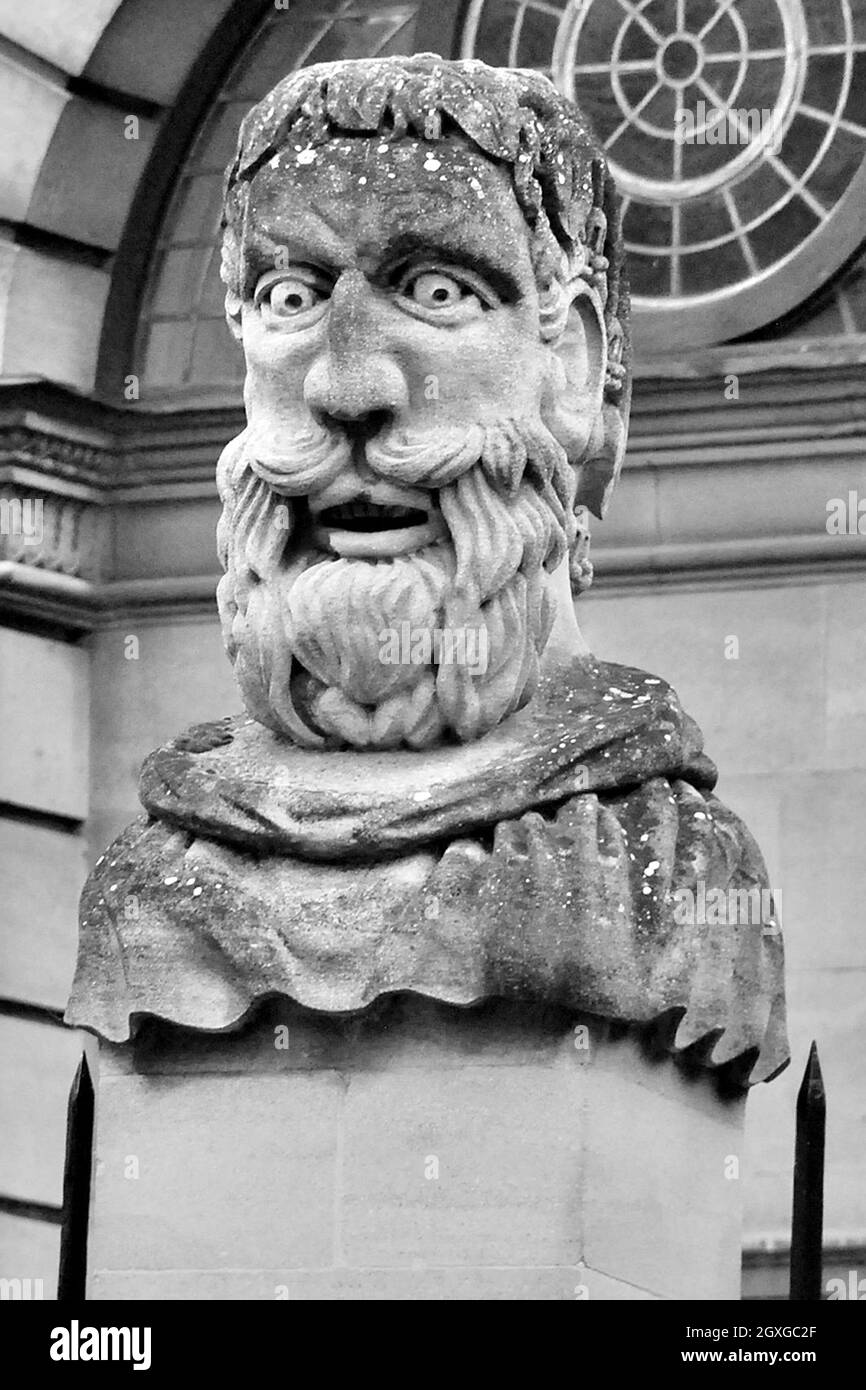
(434, 1153)
(691, 1187)
(575, 906)
(42, 871)
(44, 750)
(591, 728)
(30, 1250)
(432, 403)
(52, 316)
(39, 1062)
(90, 172)
(223, 1173)
(55, 33)
(467, 1284)
(424, 266)
(30, 109)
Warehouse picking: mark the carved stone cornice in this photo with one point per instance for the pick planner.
(117, 450)
(50, 530)
(36, 445)
(52, 522)
(788, 443)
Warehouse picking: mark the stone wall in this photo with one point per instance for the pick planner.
(419, 1152)
(785, 721)
(761, 634)
(44, 801)
(717, 531)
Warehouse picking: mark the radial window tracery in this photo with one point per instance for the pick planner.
(724, 237)
(735, 129)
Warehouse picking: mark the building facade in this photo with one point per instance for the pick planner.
(733, 561)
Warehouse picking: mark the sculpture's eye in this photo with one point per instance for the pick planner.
(289, 296)
(434, 291)
(440, 297)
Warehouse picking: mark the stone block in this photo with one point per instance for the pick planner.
(824, 870)
(475, 1283)
(476, 1166)
(152, 539)
(215, 1173)
(846, 671)
(30, 108)
(39, 1062)
(149, 47)
(641, 1149)
(417, 1152)
(30, 1250)
(44, 733)
(787, 497)
(90, 173)
(632, 522)
(42, 872)
(57, 32)
(139, 702)
(53, 319)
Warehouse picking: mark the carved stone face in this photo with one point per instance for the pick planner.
(403, 492)
(393, 295)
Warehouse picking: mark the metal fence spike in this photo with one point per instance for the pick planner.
(71, 1279)
(807, 1219)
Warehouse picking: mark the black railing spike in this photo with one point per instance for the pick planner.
(72, 1276)
(807, 1221)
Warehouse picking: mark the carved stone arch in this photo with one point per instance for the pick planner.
(736, 134)
(86, 91)
(166, 283)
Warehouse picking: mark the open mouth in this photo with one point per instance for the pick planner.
(367, 529)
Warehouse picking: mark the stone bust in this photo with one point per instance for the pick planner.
(423, 264)
(438, 789)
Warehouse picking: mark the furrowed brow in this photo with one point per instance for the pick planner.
(258, 255)
(456, 252)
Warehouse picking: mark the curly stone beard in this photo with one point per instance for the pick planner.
(305, 628)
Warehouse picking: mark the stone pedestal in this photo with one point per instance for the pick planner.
(419, 1151)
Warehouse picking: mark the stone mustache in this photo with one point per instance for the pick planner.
(424, 267)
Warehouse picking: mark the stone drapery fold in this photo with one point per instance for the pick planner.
(548, 862)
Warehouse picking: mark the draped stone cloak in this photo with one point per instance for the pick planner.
(575, 856)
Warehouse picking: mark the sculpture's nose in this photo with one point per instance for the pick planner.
(356, 379)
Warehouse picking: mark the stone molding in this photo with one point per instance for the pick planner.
(787, 444)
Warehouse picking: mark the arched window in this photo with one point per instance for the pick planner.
(183, 344)
(736, 130)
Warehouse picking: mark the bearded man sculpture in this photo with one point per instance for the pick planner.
(438, 789)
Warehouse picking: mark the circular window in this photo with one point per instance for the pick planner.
(735, 129)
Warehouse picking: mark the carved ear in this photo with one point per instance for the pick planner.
(606, 451)
(581, 353)
(590, 427)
